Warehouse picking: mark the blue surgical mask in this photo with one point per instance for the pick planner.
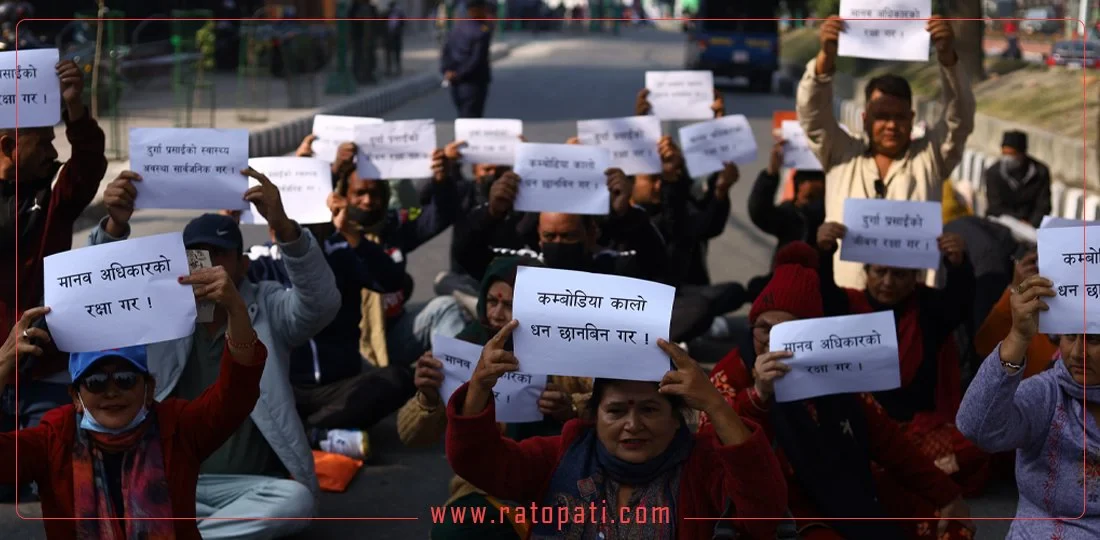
(88, 422)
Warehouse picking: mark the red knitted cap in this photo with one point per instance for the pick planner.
(794, 287)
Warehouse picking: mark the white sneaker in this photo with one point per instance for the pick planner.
(351, 443)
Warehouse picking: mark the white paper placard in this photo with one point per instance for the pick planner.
(38, 100)
(196, 260)
(304, 185)
(1074, 266)
(568, 178)
(189, 168)
(837, 355)
(516, 394)
(707, 145)
(680, 95)
(396, 150)
(491, 141)
(1055, 222)
(895, 39)
(632, 141)
(119, 294)
(332, 131)
(797, 154)
(590, 325)
(899, 234)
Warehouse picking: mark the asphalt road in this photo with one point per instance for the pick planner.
(549, 85)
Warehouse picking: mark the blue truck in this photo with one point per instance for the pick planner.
(744, 44)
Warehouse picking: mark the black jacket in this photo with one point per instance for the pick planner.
(686, 225)
(466, 52)
(786, 222)
(1024, 196)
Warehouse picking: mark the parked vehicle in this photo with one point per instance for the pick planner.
(736, 48)
(1045, 27)
(1075, 55)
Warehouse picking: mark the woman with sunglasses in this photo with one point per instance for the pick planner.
(124, 465)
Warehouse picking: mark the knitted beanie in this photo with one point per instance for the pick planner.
(794, 286)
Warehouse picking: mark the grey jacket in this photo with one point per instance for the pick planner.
(283, 319)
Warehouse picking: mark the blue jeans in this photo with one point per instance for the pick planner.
(411, 335)
(36, 399)
(247, 496)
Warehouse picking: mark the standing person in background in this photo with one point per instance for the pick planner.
(887, 164)
(1018, 185)
(395, 30)
(364, 46)
(795, 220)
(465, 60)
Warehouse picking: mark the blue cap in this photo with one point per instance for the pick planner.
(80, 362)
(214, 230)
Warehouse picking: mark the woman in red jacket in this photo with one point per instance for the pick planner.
(842, 454)
(631, 467)
(125, 465)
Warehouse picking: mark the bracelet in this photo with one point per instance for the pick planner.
(1013, 367)
(239, 346)
(756, 400)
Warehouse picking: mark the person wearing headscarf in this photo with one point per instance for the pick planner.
(842, 454)
(116, 452)
(1018, 185)
(631, 449)
(926, 320)
(1048, 419)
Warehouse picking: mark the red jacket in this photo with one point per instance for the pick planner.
(76, 186)
(190, 431)
(747, 474)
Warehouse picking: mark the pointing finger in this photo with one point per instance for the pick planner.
(253, 173)
(497, 342)
(679, 356)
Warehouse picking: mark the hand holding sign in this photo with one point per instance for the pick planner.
(215, 285)
(428, 379)
(119, 199)
(641, 103)
(72, 86)
(689, 381)
(829, 35)
(726, 179)
(619, 187)
(672, 159)
(953, 247)
(943, 38)
(439, 161)
(829, 235)
(23, 339)
(1024, 268)
(719, 104)
(1027, 301)
(767, 370)
(502, 195)
(493, 364)
(269, 203)
(557, 404)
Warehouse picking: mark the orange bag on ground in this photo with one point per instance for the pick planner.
(335, 471)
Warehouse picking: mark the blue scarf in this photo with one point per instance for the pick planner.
(1075, 389)
(580, 475)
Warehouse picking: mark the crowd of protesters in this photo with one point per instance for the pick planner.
(313, 342)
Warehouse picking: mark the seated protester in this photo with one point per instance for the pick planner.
(632, 448)
(265, 470)
(926, 320)
(1042, 419)
(795, 220)
(117, 462)
(492, 226)
(423, 420)
(1018, 185)
(1041, 349)
(843, 455)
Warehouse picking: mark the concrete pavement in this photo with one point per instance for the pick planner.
(550, 85)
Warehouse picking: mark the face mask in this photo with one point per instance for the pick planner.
(1014, 162)
(89, 423)
(365, 219)
(486, 183)
(565, 256)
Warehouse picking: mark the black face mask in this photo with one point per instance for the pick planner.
(485, 181)
(364, 218)
(565, 256)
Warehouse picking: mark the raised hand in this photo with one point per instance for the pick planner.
(619, 187)
(502, 194)
(767, 370)
(953, 247)
(672, 160)
(719, 104)
(1024, 268)
(557, 404)
(1027, 302)
(828, 236)
(119, 199)
(494, 361)
(21, 341)
(943, 38)
(269, 203)
(689, 381)
(439, 164)
(305, 149)
(775, 161)
(726, 179)
(215, 285)
(72, 87)
(428, 379)
(641, 103)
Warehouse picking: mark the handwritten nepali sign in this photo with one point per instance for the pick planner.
(900, 234)
(568, 178)
(197, 259)
(891, 37)
(190, 168)
(516, 394)
(708, 145)
(1074, 266)
(396, 150)
(30, 92)
(632, 141)
(491, 141)
(680, 95)
(304, 185)
(837, 355)
(332, 131)
(797, 154)
(119, 294)
(590, 325)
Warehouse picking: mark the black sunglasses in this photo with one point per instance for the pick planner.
(96, 383)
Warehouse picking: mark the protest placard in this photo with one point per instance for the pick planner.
(332, 131)
(1073, 265)
(491, 141)
(569, 178)
(797, 154)
(837, 355)
(516, 394)
(396, 150)
(304, 185)
(119, 294)
(680, 95)
(198, 259)
(707, 145)
(30, 92)
(632, 141)
(778, 117)
(590, 325)
(891, 36)
(899, 234)
(1055, 222)
(190, 168)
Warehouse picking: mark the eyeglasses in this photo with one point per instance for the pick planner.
(762, 332)
(96, 383)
